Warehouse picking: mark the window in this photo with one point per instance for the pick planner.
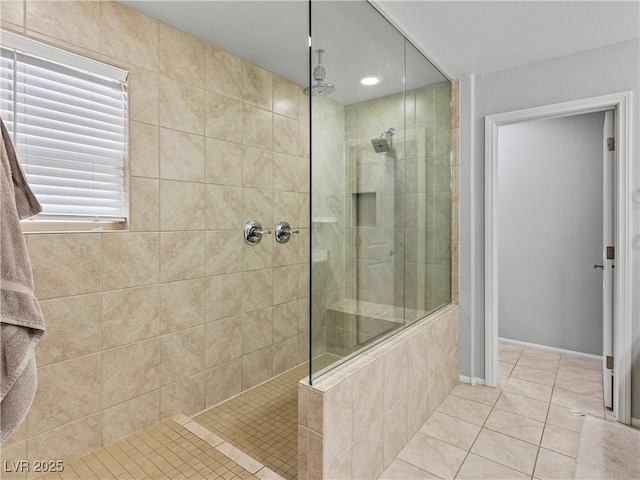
(67, 116)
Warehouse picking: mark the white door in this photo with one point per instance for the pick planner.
(608, 254)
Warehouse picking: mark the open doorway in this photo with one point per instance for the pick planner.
(570, 334)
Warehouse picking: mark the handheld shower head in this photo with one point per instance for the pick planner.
(382, 144)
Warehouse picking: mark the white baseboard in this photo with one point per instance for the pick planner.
(474, 381)
(552, 349)
(635, 422)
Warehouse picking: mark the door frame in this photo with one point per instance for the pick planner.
(620, 103)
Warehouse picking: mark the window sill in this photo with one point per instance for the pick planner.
(35, 226)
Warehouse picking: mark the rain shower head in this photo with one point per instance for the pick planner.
(382, 143)
(319, 73)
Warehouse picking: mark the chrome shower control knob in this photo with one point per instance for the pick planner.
(253, 232)
(283, 232)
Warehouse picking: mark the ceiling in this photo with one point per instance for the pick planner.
(460, 37)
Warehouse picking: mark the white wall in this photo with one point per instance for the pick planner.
(602, 71)
(550, 232)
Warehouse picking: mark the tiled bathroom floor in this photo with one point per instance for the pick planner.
(528, 428)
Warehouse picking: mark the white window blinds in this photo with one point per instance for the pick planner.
(67, 116)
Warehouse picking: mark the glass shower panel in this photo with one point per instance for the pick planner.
(428, 188)
(370, 211)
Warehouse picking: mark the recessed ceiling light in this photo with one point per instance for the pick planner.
(370, 80)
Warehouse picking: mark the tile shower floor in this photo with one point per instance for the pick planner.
(528, 428)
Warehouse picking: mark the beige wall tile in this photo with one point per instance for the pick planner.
(258, 289)
(285, 355)
(181, 156)
(285, 97)
(73, 328)
(53, 19)
(285, 321)
(395, 375)
(181, 106)
(69, 441)
(223, 116)
(257, 168)
(285, 285)
(144, 149)
(223, 382)
(181, 205)
(130, 416)
(130, 371)
(224, 207)
(182, 255)
(316, 411)
(12, 12)
(181, 56)
(53, 406)
(130, 315)
(223, 72)
(185, 396)
(257, 86)
(286, 172)
(181, 354)
(395, 424)
(257, 125)
(144, 98)
(145, 204)
(224, 251)
(368, 452)
(257, 204)
(341, 467)
(368, 397)
(130, 259)
(338, 418)
(67, 264)
(256, 367)
(223, 341)
(223, 162)
(285, 135)
(288, 253)
(129, 35)
(257, 330)
(286, 206)
(315, 466)
(221, 297)
(19, 435)
(182, 305)
(13, 452)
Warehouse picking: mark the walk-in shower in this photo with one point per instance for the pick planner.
(380, 202)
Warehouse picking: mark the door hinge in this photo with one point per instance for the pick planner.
(609, 362)
(611, 253)
(611, 143)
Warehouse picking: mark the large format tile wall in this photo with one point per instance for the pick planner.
(328, 219)
(353, 422)
(406, 243)
(176, 314)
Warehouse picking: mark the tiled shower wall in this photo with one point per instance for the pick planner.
(408, 243)
(328, 214)
(176, 314)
